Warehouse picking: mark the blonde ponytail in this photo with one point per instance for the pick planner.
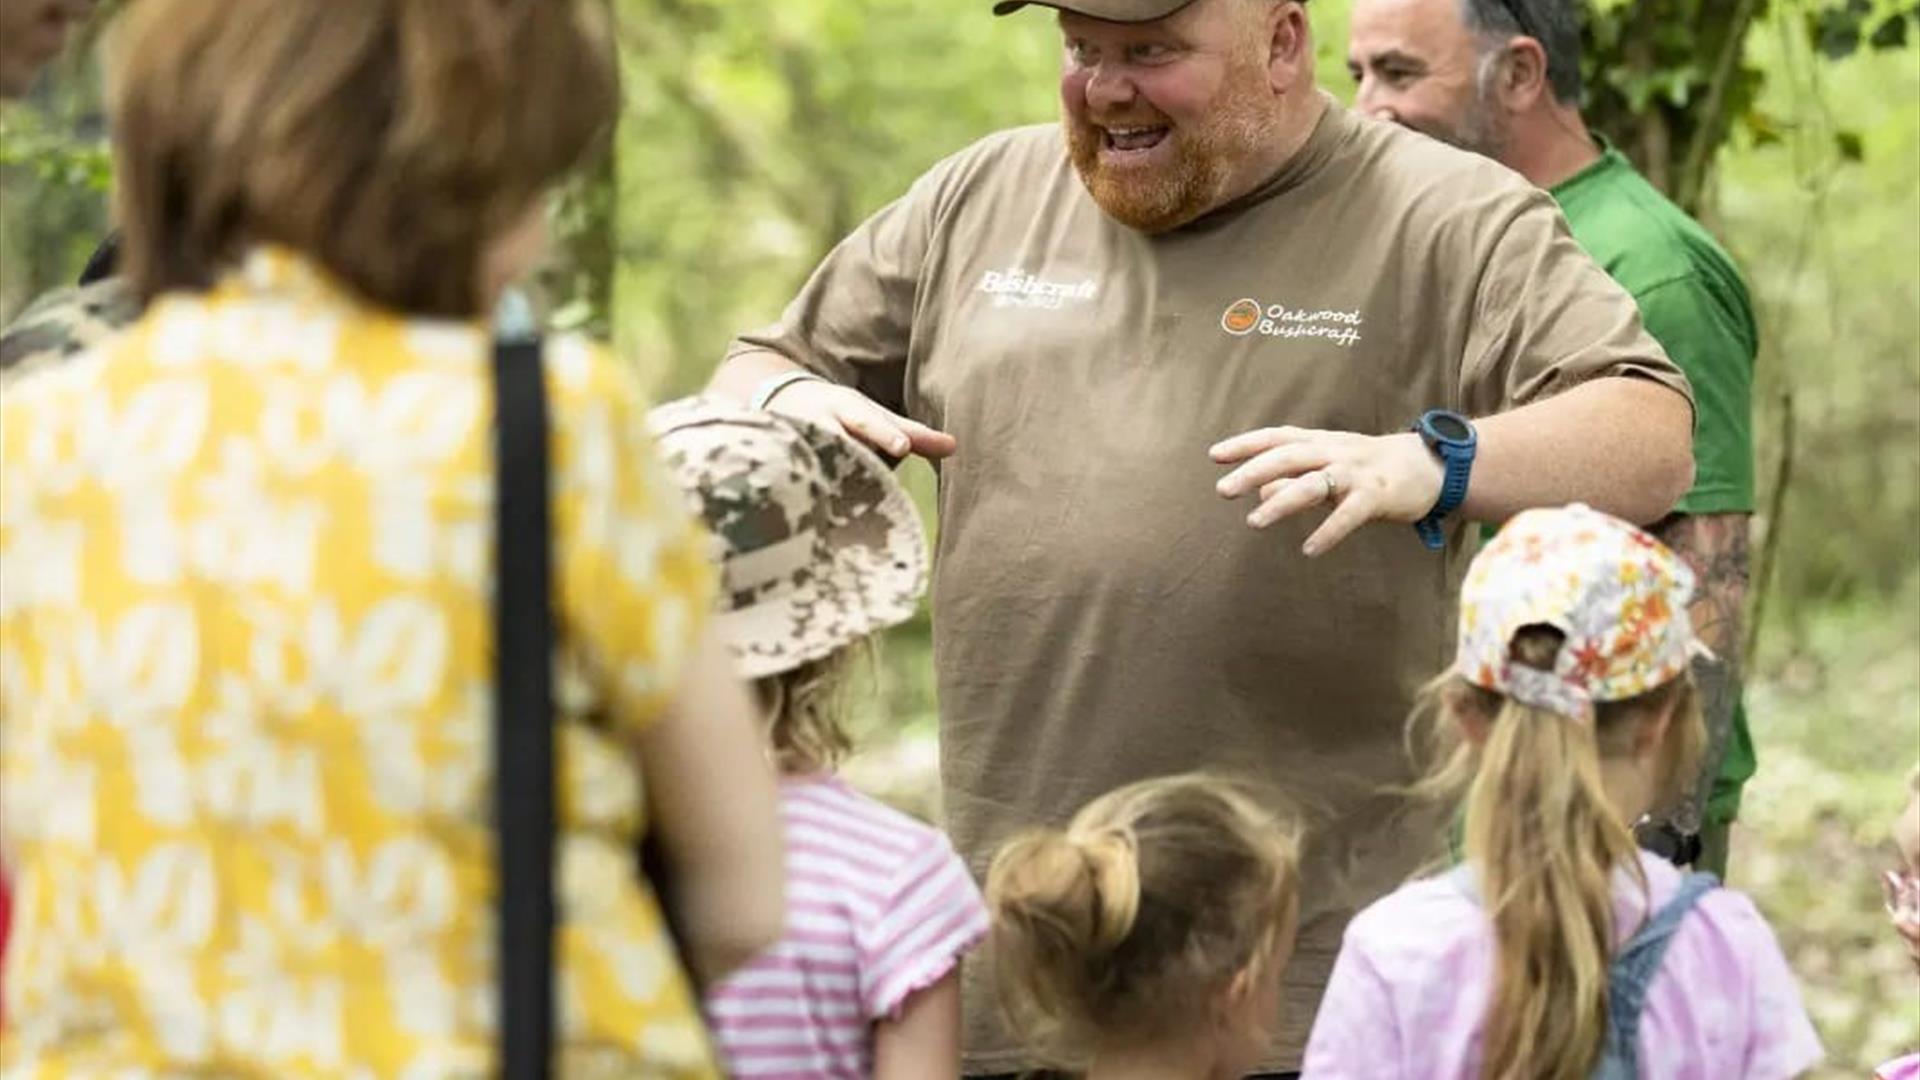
(1545, 841)
(1130, 920)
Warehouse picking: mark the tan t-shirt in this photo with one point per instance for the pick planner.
(1101, 615)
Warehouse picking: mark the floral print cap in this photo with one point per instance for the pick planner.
(1618, 595)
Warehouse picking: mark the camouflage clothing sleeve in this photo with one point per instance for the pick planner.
(64, 322)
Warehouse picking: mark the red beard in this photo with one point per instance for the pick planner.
(1197, 161)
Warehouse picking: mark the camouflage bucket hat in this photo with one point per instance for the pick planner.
(818, 544)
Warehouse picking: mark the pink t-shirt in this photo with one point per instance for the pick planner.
(878, 907)
(1410, 989)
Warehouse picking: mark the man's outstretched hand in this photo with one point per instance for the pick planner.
(1361, 478)
(834, 406)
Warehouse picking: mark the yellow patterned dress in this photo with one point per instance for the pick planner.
(244, 697)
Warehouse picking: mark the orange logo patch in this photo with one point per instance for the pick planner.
(1240, 317)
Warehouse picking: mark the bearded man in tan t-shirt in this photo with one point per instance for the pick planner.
(1166, 366)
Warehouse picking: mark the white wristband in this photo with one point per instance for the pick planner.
(778, 383)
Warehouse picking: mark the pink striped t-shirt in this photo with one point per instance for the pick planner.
(878, 907)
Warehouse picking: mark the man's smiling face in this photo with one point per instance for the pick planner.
(1160, 116)
(1416, 63)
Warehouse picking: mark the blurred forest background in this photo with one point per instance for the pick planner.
(757, 134)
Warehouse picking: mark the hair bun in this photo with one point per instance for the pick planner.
(1134, 917)
(1077, 891)
(1113, 870)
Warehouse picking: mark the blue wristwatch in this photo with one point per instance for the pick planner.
(1452, 437)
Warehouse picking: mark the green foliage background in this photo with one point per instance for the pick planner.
(758, 133)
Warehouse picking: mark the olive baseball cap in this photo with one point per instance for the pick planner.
(1125, 11)
(1122, 11)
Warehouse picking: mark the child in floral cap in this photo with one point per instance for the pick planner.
(1558, 950)
(819, 548)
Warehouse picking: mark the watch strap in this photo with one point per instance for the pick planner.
(1453, 489)
(1457, 461)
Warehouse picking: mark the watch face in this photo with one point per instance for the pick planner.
(1449, 427)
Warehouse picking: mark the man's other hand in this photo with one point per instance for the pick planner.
(1361, 478)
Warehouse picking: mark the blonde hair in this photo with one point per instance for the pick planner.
(1545, 841)
(1134, 918)
(806, 707)
(391, 140)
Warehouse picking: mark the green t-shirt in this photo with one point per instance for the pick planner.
(1694, 303)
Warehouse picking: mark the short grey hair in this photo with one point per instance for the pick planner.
(1555, 24)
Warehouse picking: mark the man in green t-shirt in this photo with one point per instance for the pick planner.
(1502, 78)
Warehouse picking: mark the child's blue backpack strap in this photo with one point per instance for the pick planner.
(1633, 972)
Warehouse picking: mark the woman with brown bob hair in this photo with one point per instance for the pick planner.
(245, 649)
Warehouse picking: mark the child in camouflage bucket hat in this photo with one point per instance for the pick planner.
(819, 548)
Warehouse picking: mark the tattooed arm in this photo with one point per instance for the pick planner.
(1716, 546)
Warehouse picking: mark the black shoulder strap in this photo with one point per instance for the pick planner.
(523, 713)
(104, 262)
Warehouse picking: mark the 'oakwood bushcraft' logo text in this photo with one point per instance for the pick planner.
(1014, 287)
(1248, 316)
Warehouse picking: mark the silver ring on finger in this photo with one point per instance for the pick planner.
(1333, 486)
